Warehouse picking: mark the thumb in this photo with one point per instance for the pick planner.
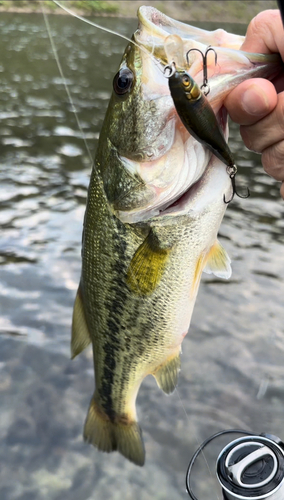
(251, 100)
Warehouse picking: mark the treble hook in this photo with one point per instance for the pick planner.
(205, 87)
(232, 170)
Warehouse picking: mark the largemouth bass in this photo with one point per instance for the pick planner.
(155, 204)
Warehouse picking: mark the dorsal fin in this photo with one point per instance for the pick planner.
(80, 332)
(218, 262)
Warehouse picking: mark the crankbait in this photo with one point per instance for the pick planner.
(199, 119)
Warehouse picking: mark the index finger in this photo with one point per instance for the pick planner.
(253, 99)
(265, 34)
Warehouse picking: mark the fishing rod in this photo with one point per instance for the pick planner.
(248, 468)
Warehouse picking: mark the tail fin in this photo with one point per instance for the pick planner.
(125, 437)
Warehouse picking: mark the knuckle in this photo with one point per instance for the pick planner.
(262, 26)
(272, 161)
(247, 138)
(256, 25)
(266, 160)
(280, 112)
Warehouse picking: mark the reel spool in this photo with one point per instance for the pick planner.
(248, 468)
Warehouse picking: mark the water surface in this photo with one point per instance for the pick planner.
(233, 358)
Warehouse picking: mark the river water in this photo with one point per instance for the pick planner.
(233, 357)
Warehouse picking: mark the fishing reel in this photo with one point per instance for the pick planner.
(248, 468)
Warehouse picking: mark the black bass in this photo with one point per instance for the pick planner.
(155, 204)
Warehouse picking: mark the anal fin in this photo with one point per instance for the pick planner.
(218, 262)
(80, 332)
(167, 374)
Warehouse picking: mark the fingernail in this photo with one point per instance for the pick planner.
(254, 101)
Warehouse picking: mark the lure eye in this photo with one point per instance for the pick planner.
(122, 81)
(186, 81)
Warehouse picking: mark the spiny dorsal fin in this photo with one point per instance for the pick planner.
(147, 266)
(80, 332)
(218, 262)
(167, 374)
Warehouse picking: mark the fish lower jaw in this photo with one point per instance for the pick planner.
(182, 205)
(208, 192)
(184, 202)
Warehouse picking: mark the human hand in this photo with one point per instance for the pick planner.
(257, 105)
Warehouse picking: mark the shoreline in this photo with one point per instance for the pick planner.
(233, 11)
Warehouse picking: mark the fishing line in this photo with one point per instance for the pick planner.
(103, 28)
(93, 164)
(200, 446)
(64, 83)
(201, 450)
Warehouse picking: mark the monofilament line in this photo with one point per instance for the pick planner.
(93, 165)
(64, 83)
(100, 27)
(197, 442)
(112, 32)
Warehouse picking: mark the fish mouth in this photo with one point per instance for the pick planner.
(183, 202)
(171, 182)
(175, 178)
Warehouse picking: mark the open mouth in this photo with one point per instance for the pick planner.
(174, 178)
(182, 202)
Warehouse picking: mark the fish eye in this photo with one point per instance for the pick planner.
(122, 81)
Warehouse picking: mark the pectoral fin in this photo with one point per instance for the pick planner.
(167, 374)
(218, 262)
(147, 266)
(80, 333)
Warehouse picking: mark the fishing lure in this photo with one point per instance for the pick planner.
(199, 119)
